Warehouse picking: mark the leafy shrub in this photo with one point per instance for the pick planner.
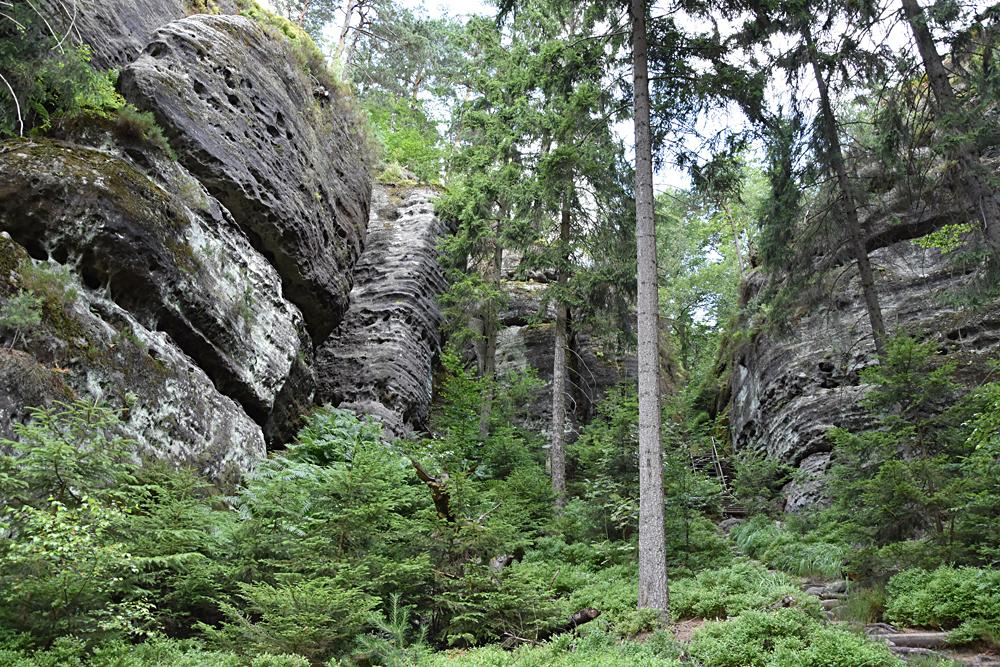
(784, 638)
(964, 599)
(407, 136)
(50, 83)
(732, 590)
(21, 313)
(62, 574)
(592, 649)
(155, 652)
(758, 480)
(318, 618)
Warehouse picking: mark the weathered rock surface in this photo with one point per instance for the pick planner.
(526, 340)
(24, 384)
(87, 345)
(116, 30)
(281, 152)
(164, 251)
(380, 359)
(789, 389)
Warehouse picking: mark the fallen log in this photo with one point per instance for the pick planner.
(575, 621)
(929, 640)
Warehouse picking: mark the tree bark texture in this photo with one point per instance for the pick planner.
(557, 443)
(491, 328)
(653, 591)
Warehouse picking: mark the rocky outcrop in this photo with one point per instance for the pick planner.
(789, 389)
(165, 251)
(526, 341)
(171, 290)
(281, 151)
(87, 345)
(115, 30)
(379, 361)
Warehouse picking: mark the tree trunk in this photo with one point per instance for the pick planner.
(348, 10)
(973, 176)
(302, 14)
(653, 593)
(557, 450)
(490, 329)
(839, 167)
(731, 219)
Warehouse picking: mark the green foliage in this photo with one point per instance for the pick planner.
(65, 454)
(947, 239)
(317, 618)
(593, 649)
(605, 469)
(20, 313)
(809, 554)
(157, 651)
(864, 605)
(51, 81)
(965, 600)
(63, 575)
(732, 590)
(911, 493)
(784, 638)
(758, 481)
(407, 136)
(139, 126)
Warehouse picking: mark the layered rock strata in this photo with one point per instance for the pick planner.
(380, 359)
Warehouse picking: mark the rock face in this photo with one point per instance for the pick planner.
(526, 341)
(282, 152)
(192, 294)
(380, 359)
(87, 345)
(788, 390)
(116, 30)
(165, 251)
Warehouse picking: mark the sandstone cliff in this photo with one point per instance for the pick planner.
(198, 294)
(789, 388)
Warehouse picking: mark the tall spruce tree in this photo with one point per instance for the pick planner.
(653, 589)
(972, 178)
(803, 23)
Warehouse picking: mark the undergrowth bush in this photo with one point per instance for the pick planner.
(784, 638)
(965, 600)
(732, 590)
(811, 554)
(591, 649)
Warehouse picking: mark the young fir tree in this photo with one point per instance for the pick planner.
(489, 190)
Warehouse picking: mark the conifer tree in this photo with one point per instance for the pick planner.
(972, 177)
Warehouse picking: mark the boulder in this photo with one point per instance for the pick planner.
(273, 140)
(380, 359)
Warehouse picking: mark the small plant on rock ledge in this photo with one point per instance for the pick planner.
(20, 313)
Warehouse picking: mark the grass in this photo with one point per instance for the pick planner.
(782, 549)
